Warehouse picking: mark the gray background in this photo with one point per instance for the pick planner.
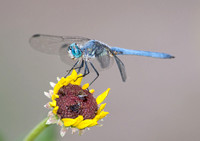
(159, 101)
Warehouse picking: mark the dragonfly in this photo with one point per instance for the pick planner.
(87, 55)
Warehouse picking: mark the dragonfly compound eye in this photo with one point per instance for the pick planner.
(75, 50)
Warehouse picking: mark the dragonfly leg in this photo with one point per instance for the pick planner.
(71, 68)
(81, 66)
(96, 73)
(86, 70)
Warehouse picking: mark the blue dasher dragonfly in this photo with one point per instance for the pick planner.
(86, 54)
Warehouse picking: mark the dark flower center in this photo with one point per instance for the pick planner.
(74, 101)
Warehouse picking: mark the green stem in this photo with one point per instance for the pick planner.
(37, 130)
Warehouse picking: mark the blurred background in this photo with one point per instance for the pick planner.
(158, 102)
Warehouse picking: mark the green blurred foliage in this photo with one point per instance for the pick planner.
(1, 136)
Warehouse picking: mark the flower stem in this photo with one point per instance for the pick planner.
(37, 130)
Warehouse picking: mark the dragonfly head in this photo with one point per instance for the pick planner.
(74, 50)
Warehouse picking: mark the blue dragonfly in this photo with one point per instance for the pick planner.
(86, 54)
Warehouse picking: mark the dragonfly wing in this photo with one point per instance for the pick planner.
(104, 61)
(103, 57)
(101, 63)
(51, 44)
(121, 68)
(64, 55)
(120, 65)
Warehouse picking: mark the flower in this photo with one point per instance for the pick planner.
(74, 106)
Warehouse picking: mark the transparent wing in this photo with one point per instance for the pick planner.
(103, 60)
(121, 68)
(120, 65)
(51, 44)
(102, 55)
(64, 55)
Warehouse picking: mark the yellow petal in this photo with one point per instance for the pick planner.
(62, 80)
(85, 123)
(97, 117)
(79, 79)
(68, 121)
(55, 110)
(102, 96)
(101, 108)
(57, 87)
(54, 96)
(85, 86)
(93, 123)
(53, 103)
(74, 74)
(67, 81)
(72, 82)
(78, 120)
(103, 114)
(92, 91)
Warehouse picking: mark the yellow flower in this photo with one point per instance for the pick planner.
(74, 106)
